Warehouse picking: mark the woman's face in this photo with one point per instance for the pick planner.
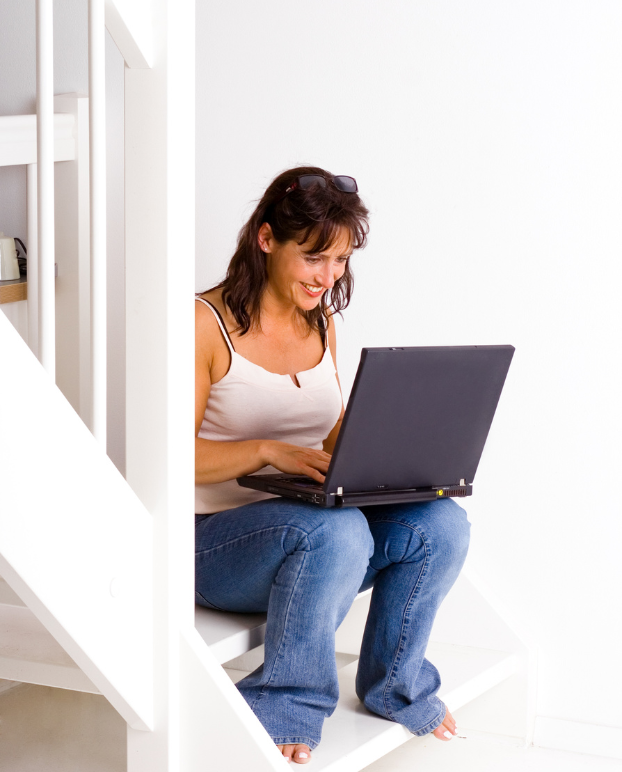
(298, 276)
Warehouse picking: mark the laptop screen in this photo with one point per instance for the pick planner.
(418, 417)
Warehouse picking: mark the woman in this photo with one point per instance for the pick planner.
(268, 398)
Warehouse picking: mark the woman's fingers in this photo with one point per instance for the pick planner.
(317, 467)
(314, 474)
(294, 459)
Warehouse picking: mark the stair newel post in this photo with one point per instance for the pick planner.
(159, 238)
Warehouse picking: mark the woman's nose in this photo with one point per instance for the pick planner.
(328, 277)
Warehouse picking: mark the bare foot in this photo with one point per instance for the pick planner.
(447, 729)
(299, 753)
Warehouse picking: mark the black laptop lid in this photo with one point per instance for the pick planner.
(418, 417)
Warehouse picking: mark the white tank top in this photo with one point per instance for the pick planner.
(250, 403)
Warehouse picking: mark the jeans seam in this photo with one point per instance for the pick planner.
(246, 536)
(294, 740)
(405, 618)
(213, 605)
(426, 729)
(282, 641)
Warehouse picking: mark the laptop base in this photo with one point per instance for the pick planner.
(306, 489)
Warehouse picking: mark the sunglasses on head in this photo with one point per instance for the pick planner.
(306, 181)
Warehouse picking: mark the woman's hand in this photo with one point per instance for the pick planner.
(294, 459)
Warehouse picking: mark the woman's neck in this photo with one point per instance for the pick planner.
(279, 313)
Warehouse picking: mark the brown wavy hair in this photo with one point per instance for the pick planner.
(315, 215)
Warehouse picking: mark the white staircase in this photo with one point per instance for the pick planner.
(77, 601)
(97, 588)
(28, 653)
(352, 738)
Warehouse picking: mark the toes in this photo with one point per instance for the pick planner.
(286, 750)
(440, 731)
(447, 729)
(302, 754)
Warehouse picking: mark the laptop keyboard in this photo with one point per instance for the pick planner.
(308, 482)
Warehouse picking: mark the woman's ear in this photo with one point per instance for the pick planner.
(265, 238)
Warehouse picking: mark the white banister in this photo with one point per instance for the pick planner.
(45, 187)
(18, 139)
(97, 132)
(33, 264)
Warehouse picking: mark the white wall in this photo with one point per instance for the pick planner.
(485, 137)
(18, 96)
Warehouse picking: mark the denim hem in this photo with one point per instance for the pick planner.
(431, 725)
(295, 741)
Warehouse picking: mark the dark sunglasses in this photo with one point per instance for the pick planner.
(306, 181)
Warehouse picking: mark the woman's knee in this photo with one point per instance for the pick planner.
(448, 529)
(441, 529)
(344, 534)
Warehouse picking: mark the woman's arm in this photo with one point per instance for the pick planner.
(329, 442)
(220, 461)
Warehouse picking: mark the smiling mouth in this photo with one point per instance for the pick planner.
(312, 289)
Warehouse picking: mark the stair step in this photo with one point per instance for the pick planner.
(229, 634)
(353, 737)
(30, 654)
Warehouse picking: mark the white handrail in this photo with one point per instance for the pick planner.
(97, 134)
(45, 186)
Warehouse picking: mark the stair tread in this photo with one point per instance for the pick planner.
(29, 653)
(353, 737)
(229, 634)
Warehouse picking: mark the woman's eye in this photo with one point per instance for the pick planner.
(312, 260)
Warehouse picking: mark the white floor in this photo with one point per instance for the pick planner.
(486, 753)
(53, 730)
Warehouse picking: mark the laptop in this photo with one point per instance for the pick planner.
(414, 428)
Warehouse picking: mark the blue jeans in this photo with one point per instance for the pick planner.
(304, 565)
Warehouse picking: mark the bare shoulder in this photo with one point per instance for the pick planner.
(211, 348)
(332, 335)
(206, 330)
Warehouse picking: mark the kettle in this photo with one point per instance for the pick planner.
(9, 267)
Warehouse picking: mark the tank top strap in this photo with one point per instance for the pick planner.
(321, 323)
(220, 321)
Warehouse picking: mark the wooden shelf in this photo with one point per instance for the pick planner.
(12, 291)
